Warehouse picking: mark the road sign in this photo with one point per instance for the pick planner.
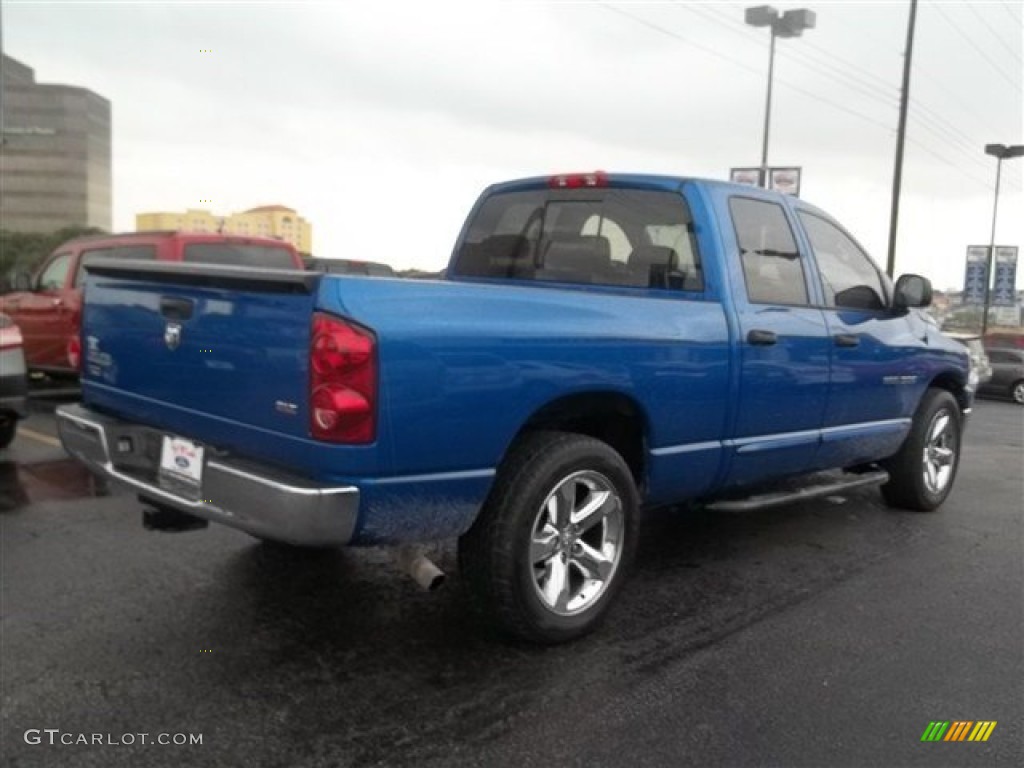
(976, 274)
(1004, 289)
(781, 179)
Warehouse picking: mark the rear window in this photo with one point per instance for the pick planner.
(350, 267)
(240, 255)
(621, 237)
(144, 252)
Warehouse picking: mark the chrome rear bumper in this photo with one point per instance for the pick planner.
(256, 498)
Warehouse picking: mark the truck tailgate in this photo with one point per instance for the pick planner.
(200, 340)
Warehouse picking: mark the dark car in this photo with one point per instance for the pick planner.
(1007, 374)
(13, 380)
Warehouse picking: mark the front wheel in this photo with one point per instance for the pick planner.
(921, 475)
(550, 548)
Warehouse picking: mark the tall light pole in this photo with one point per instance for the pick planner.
(901, 137)
(1000, 152)
(788, 24)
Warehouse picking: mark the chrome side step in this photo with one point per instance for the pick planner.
(814, 490)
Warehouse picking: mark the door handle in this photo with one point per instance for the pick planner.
(176, 309)
(847, 340)
(761, 338)
(56, 303)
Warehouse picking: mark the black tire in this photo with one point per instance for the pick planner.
(1017, 392)
(8, 429)
(918, 476)
(498, 555)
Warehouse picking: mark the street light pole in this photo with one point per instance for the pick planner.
(788, 24)
(1000, 152)
(768, 111)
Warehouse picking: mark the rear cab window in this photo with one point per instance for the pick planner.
(608, 236)
(239, 255)
(140, 252)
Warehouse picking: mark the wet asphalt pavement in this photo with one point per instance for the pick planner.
(828, 633)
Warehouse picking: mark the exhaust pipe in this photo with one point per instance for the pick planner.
(424, 572)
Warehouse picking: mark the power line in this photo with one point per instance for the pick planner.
(830, 56)
(997, 36)
(921, 145)
(866, 118)
(1006, 7)
(940, 128)
(736, 62)
(975, 46)
(838, 74)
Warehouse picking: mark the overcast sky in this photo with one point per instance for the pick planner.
(381, 122)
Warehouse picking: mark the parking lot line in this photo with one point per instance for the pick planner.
(39, 437)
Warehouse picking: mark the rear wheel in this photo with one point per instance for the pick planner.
(1017, 392)
(922, 473)
(550, 548)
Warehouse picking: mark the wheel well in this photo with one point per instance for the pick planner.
(610, 417)
(948, 382)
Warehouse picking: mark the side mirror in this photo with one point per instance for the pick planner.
(912, 291)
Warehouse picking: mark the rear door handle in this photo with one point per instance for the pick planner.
(174, 308)
(847, 340)
(761, 338)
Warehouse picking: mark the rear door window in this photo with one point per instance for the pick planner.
(772, 269)
(141, 252)
(239, 255)
(617, 237)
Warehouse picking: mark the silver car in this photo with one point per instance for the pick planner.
(13, 380)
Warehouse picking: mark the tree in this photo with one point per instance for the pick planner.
(22, 251)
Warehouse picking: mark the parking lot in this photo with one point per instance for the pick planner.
(824, 633)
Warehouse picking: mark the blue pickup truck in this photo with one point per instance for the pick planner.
(600, 344)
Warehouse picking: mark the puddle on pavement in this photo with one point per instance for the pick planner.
(61, 480)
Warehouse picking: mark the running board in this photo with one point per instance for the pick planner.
(813, 491)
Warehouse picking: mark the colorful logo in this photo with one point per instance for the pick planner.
(958, 730)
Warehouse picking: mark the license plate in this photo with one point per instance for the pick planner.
(182, 460)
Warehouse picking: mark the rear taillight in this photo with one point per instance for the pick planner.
(74, 352)
(578, 180)
(10, 336)
(343, 382)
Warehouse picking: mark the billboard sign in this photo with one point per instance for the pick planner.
(749, 176)
(976, 274)
(1004, 287)
(785, 180)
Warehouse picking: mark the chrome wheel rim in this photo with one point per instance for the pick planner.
(1018, 392)
(576, 542)
(939, 452)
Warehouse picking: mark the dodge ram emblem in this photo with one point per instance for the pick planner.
(172, 335)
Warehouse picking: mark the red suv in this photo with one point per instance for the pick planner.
(47, 304)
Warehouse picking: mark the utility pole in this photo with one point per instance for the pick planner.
(897, 177)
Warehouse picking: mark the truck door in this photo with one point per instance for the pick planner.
(43, 315)
(783, 346)
(873, 387)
